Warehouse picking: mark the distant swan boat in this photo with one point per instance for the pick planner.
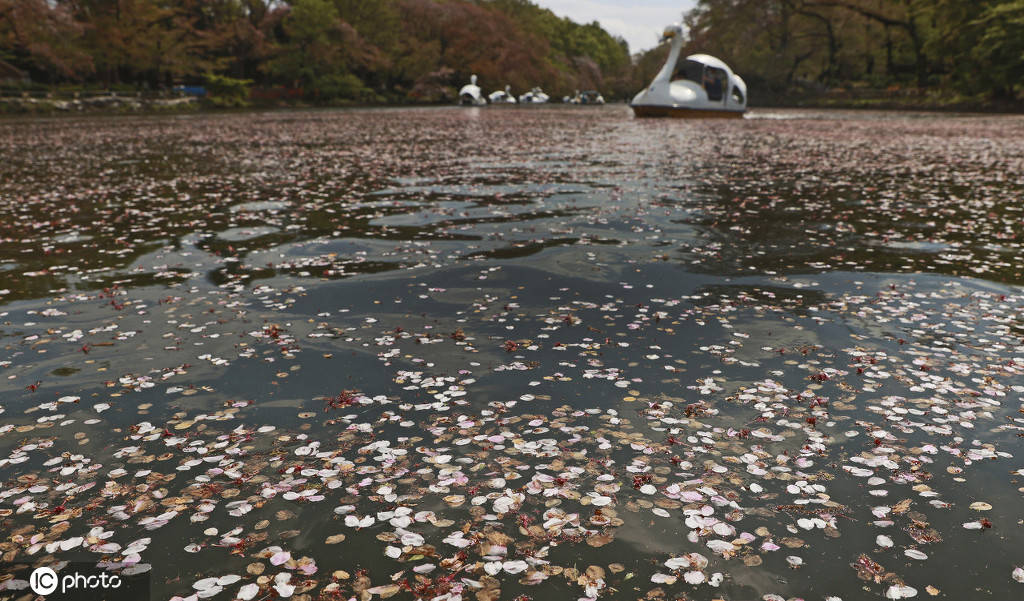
(585, 97)
(700, 86)
(502, 96)
(470, 94)
(534, 96)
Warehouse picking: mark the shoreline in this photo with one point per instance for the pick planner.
(928, 107)
(114, 105)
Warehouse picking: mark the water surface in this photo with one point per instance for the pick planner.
(551, 352)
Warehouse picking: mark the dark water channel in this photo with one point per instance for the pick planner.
(552, 353)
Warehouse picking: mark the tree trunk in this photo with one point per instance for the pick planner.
(889, 67)
(908, 25)
(832, 67)
(919, 58)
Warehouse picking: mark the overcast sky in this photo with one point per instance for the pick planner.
(639, 22)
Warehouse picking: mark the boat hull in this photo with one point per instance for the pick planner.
(683, 112)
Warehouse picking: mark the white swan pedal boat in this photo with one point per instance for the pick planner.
(470, 94)
(698, 86)
(585, 97)
(534, 96)
(502, 96)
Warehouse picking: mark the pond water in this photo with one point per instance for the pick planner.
(500, 353)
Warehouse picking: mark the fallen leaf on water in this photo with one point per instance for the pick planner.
(599, 540)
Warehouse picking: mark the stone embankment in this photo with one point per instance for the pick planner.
(52, 103)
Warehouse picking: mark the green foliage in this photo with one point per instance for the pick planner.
(314, 57)
(226, 91)
(340, 87)
(308, 52)
(379, 21)
(1000, 48)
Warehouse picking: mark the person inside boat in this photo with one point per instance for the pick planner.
(713, 83)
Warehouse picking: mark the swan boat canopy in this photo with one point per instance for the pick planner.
(534, 96)
(502, 96)
(470, 94)
(697, 86)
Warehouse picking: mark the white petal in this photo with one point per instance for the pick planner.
(205, 583)
(897, 591)
(248, 591)
(514, 567)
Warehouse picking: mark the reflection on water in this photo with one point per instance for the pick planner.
(558, 353)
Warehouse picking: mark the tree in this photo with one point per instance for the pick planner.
(898, 14)
(309, 52)
(425, 49)
(38, 37)
(1000, 49)
(319, 50)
